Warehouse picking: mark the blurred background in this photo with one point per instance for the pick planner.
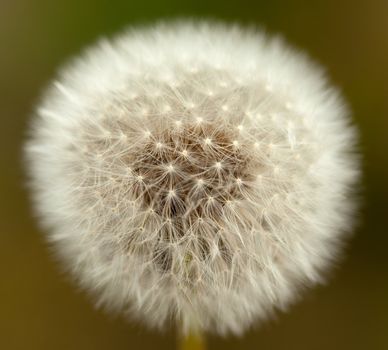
(41, 309)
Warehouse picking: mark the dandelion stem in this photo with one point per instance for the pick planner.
(192, 341)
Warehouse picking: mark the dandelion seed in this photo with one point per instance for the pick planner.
(208, 141)
(200, 182)
(167, 108)
(218, 165)
(170, 168)
(289, 105)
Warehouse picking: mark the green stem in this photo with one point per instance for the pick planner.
(192, 342)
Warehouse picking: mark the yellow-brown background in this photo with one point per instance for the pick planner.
(41, 309)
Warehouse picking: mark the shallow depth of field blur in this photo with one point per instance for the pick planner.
(41, 309)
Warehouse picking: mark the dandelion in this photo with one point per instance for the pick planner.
(193, 171)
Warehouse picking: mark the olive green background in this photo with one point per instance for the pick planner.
(41, 309)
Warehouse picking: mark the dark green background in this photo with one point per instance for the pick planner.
(41, 309)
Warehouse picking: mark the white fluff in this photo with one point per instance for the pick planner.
(193, 171)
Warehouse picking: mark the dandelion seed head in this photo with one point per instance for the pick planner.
(216, 219)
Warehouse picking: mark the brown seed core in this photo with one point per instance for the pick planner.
(189, 173)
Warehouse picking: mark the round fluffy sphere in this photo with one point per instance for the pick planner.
(193, 171)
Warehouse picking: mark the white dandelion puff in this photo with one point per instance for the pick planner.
(193, 171)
